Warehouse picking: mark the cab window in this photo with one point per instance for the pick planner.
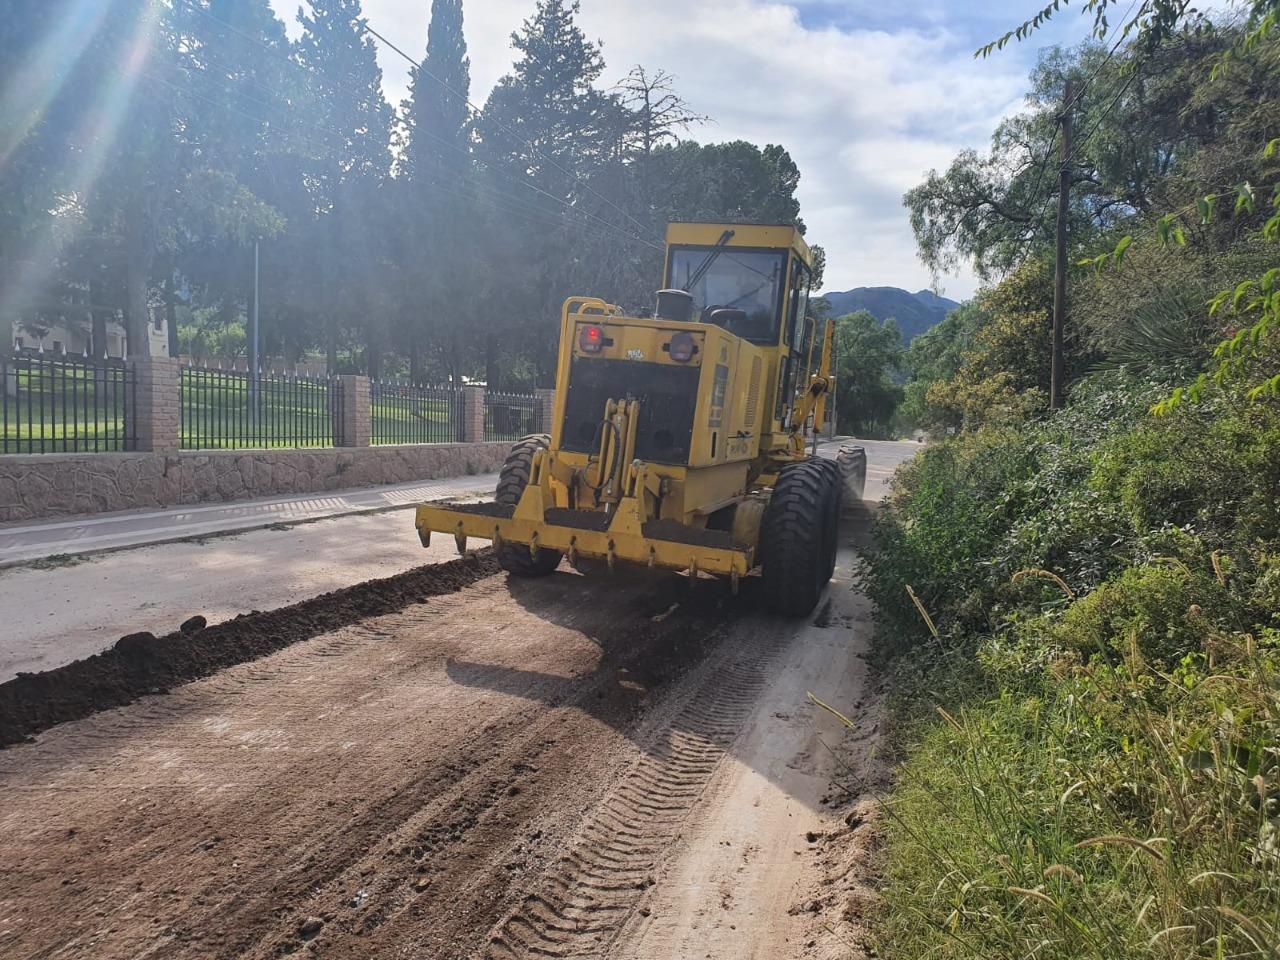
(738, 278)
(800, 336)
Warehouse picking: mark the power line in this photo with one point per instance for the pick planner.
(1071, 102)
(515, 206)
(1111, 106)
(1124, 32)
(325, 148)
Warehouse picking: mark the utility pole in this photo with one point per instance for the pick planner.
(1060, 258)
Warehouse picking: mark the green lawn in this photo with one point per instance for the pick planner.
(217, 413)
(51, 407)
(54, 408)
(401, 417)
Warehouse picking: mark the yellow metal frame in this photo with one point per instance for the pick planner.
(737, 447)
(624, 539)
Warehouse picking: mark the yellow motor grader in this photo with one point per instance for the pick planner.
(679, 439)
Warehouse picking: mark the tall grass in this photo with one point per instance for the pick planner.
(1113, 812)
(1088, 706)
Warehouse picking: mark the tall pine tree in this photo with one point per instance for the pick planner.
(353, 125)
(546, 124)
(440, 231)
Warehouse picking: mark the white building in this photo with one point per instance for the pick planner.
(74, 337)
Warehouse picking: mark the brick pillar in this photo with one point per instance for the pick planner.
(472, 427)
(156, 394)
(352, 413)
(546, 409)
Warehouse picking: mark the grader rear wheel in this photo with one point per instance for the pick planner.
(512, 479)
(798, 537)
(831, 527)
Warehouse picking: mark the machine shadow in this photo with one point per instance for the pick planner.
(643, 659)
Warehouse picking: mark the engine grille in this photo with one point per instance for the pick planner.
(668, 395)
(753, 396)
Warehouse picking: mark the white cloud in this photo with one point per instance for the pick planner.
(864, 110)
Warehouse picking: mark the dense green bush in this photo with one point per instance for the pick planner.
(972, 511)
(1091, 740)
(1161, 612)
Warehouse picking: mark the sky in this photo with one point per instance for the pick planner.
(867, 95)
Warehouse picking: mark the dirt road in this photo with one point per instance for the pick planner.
(49, 621)
(571, 766)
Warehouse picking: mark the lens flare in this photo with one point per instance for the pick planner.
(125, 32)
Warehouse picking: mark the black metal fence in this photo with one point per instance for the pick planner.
(510, 416)
(402, 412)
(227, 409)
(55, 403)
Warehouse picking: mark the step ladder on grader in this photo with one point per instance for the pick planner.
(679, 439)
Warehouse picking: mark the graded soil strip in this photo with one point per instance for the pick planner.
(142, 664)
(402, 781)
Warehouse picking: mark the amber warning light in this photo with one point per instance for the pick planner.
(591, 339)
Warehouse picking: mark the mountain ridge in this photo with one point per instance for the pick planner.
(914, 312)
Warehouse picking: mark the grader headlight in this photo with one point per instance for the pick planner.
(682, 347)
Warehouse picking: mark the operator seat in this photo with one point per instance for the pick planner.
(736, 321)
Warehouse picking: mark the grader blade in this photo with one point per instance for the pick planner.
(580, 533)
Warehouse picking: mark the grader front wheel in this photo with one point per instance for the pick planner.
(798, 538)
(516, 558)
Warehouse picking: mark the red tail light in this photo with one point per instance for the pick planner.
(591, 339)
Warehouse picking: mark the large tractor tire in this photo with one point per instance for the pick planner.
(512, 479)
(834, 507)
(798, 537)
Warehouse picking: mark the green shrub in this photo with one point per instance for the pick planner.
(1105, 781)
(1165, 612)
(1214, 469)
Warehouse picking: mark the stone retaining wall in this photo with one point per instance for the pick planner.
(57, 485)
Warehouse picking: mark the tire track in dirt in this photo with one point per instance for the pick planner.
(403, 779)
(581, 905)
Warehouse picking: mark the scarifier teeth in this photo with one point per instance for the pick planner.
(460, 539)
(612, 556)
(424, 535)
(572, 552)
(497, 538)
(533, 548)
(733, 581)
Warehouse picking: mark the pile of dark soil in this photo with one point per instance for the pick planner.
(141, 663)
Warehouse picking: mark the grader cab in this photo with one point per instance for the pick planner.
(678, 439)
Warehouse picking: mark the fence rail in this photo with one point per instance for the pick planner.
(402, 412)
(59, 403)
(226, 409)
(56, 403)
(510, 416)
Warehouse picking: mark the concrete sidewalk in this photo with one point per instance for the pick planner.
(101, 532)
